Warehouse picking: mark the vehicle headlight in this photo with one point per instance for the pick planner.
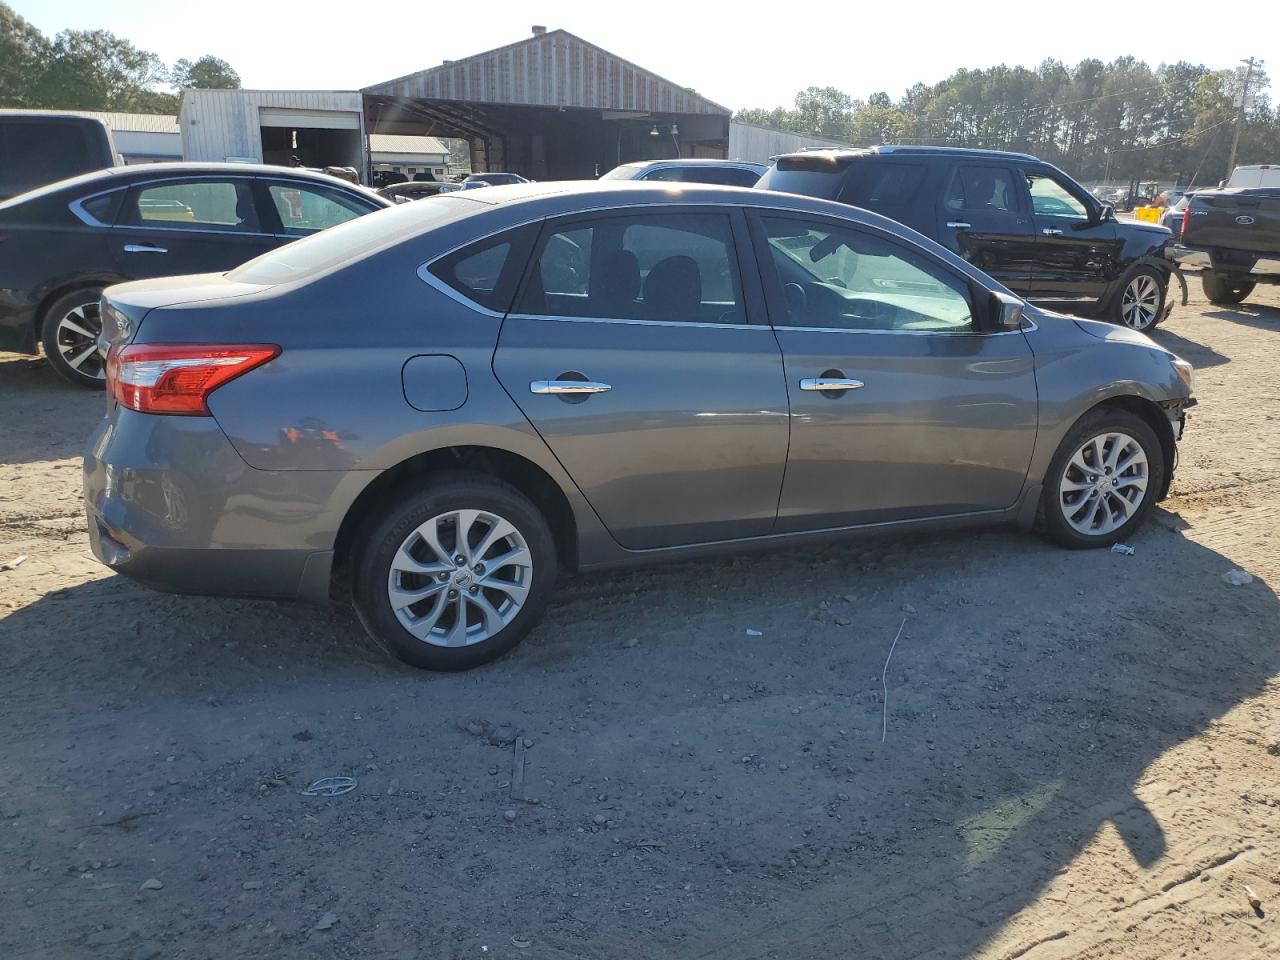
(1186, 373)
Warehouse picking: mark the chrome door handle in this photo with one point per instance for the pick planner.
(830, 383)
(143, 248)
(1051, 232)
(568, 386)
(959, 225)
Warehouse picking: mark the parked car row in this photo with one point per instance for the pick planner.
(431, 410)
(64, 243)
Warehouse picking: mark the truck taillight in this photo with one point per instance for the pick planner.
(1186, 218)
(178, 378)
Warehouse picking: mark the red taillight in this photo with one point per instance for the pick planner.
(178, 378)
(1186, 218)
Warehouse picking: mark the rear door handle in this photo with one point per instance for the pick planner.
(830, 383)
(143, 248)
(561, 387)
(1051, 232)
(959, 225)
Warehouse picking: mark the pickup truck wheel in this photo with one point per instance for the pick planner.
(1218, 289)
(456, 574)
(1103, 481)
(1141, 301)
(69, 332)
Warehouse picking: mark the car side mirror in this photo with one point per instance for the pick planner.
(1005, 312)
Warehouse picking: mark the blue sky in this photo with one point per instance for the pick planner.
(729, 52)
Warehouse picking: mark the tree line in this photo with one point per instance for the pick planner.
(94, 70)
(1112, 122)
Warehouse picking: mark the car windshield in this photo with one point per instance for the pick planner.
(624, 172)
(353, 240)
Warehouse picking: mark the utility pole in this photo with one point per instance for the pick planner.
(1244, 97)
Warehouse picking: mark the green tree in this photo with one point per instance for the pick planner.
(24, 52)
(207, 73)
(96, 70)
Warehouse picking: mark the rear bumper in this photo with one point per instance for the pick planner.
(172, 505)
(1196, 258)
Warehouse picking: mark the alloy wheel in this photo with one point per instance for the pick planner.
(77, 339)
(1104, 483)
(460, 578)
(1140, 302)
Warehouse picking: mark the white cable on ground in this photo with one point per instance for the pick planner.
(884, 719)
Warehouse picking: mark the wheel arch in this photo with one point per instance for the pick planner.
(60, 290)
(523, 474)
(1154, 416)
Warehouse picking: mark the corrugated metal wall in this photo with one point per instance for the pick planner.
(556, 69)
(217, 124)
(749, 142)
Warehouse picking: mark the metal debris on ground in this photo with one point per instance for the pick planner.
(884, 682)
(1123, 548)
(517, 770)
(1237, 578)
(327, 921)
(14, 563)
(330, 787)
(1254, 901)
(521, 943)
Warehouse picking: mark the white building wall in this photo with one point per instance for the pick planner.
(750, 142)
(136, 146)
(219, 125)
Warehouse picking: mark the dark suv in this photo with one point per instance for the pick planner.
(1021, 220)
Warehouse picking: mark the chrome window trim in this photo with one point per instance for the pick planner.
(621, 321)
(424, 269)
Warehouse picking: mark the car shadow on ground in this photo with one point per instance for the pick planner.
(1197, 354)
(1257, 315)
(702, 790)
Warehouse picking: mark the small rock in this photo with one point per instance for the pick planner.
(503, 736)
(850, 598)
(327, 921)
(145, 951)
(509, 816)
(843, 621)
(725, 698)
(474, 727)
(630, 642)
(302, 736)
(527, 743)
(599, 820)
(251, 885)
(754, 633)
(151, 884)
(908, 609)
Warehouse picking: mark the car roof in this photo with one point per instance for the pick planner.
(110, 177)
(849, 153)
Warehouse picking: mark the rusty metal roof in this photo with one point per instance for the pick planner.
(554, 69)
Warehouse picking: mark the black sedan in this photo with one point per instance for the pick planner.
(62, 244)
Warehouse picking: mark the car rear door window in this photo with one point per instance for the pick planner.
(223, 205)
(304, 209)
(841, 278)
(876, 184)
(487, 272)
(979, 189)
(678, 268)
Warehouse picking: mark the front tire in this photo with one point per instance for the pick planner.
(69, 333)
(455, 575)
(1103, 482)
(1140, 304)
(1218, 289)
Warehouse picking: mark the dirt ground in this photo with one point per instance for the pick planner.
(1081, 755)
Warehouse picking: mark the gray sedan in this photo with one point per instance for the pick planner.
(430, 410)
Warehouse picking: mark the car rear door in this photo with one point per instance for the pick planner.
(174, 226)
(901, 407)
(982, 216)
(637, 349)
(1077, 253)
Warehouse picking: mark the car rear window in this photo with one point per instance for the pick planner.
(351, 241)
(811, 175)
(42, 152)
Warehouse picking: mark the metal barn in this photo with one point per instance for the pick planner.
(551, 107)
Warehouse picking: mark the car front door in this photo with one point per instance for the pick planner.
(984, 218)
(638, 350)
(902, 407)
(178, 226)
(1076, 250)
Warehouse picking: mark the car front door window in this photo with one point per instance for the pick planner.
(306, 209)
(1049, 198)
(840, 278)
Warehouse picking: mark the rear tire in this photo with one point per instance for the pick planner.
(1103, 482)
(69, 333)
(1218, 289)
(437, 600)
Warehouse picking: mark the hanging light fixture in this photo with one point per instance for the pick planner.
(675, 130)
(654, 131)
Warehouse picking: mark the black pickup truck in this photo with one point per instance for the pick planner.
(1023, 221)
(1233, 237)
